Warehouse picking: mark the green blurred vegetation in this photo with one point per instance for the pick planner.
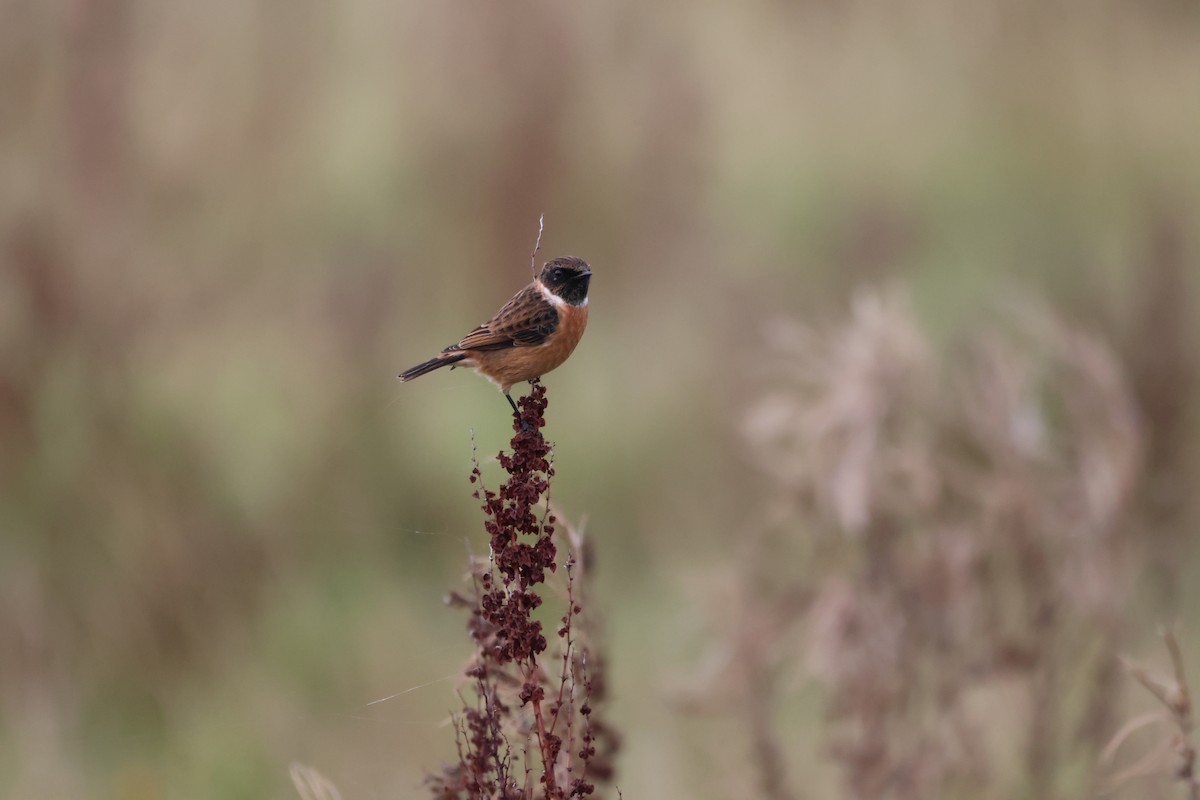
(224, 227)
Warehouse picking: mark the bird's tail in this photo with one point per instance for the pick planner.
(437, 362)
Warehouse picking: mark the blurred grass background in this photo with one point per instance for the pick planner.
(225, 227)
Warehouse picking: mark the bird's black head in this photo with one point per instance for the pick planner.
(568, 278)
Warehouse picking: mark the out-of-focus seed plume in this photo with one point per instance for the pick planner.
(945, 521)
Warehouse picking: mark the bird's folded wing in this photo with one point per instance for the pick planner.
(524, 321)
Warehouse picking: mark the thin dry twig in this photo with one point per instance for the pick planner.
(1128, 729)
(311, 784)
(537, 245)
(1175, 696)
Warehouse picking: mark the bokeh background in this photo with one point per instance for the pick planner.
(224, 227)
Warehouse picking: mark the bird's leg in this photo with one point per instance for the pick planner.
(525, 426)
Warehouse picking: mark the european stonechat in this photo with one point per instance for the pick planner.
(532, 334)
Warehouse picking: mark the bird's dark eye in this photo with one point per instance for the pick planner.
(556, 274)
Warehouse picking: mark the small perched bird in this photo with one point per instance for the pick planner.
(532, 334)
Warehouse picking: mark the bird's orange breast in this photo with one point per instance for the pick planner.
(516, 364)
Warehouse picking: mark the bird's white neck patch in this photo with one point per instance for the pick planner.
(554, 299)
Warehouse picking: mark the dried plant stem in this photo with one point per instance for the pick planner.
(509, 667)
(544, 745)
(1175, 696)
(766, 749)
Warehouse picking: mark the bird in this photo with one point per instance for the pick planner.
(530, 335)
